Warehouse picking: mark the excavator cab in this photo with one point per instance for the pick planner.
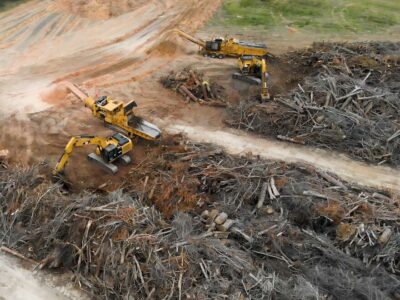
(214, 45)
(113, 151)
(249, 65)
(102, 101)
(108, 150)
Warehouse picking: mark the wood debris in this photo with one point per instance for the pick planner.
(152, 239)
(194, 87)
(349, 102)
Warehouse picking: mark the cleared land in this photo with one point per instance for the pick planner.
(191, 220)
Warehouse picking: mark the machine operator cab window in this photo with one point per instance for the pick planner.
(247, 57)
(122, 140)
(102, 101)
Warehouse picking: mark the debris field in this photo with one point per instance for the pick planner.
(348, 101)
(192, 222)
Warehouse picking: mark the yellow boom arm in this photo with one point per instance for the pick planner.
(80, 141)
(264, 85)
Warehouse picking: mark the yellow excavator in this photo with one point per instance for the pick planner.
(108, 150)
(253, 70)
(117, 115)
(220, 47)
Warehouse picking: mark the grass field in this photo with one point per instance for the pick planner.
(323, 16)
(8, 4)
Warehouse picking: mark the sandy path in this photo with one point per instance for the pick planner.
(236, 142)
(17, 283)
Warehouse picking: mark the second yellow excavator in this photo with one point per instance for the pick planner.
(253, 70)
(108, 150)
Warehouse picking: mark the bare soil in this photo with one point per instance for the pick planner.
(96, 10)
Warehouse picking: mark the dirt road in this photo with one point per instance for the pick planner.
(17, 283)
(236, 142)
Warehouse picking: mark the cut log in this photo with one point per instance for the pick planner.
(185, 91)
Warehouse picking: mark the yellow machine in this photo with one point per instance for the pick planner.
(108, 150)
(253, 70)
(120, 116)
(250, 65)
(264, 84)
(221, 47)
(117, 115)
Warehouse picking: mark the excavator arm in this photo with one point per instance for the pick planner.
(264, 85)
(78, 141)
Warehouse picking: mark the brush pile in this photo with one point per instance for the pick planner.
(241, 229)
(349, 102)
(192, 85)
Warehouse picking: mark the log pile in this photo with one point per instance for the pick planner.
(349, 102)
(194, 88)
(241, 229)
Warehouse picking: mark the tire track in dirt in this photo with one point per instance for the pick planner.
(236, 142)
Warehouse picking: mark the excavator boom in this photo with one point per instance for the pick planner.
(109, 149)
(77, 141)
(264, 84)
(254, 70)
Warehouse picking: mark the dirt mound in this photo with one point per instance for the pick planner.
(98, 9)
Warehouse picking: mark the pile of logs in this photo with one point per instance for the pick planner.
(194, 87)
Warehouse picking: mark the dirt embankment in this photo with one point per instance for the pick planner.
(98, 9)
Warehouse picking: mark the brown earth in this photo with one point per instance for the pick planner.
(95, 9)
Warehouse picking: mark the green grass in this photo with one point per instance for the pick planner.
(314, 15)
(8, 4)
